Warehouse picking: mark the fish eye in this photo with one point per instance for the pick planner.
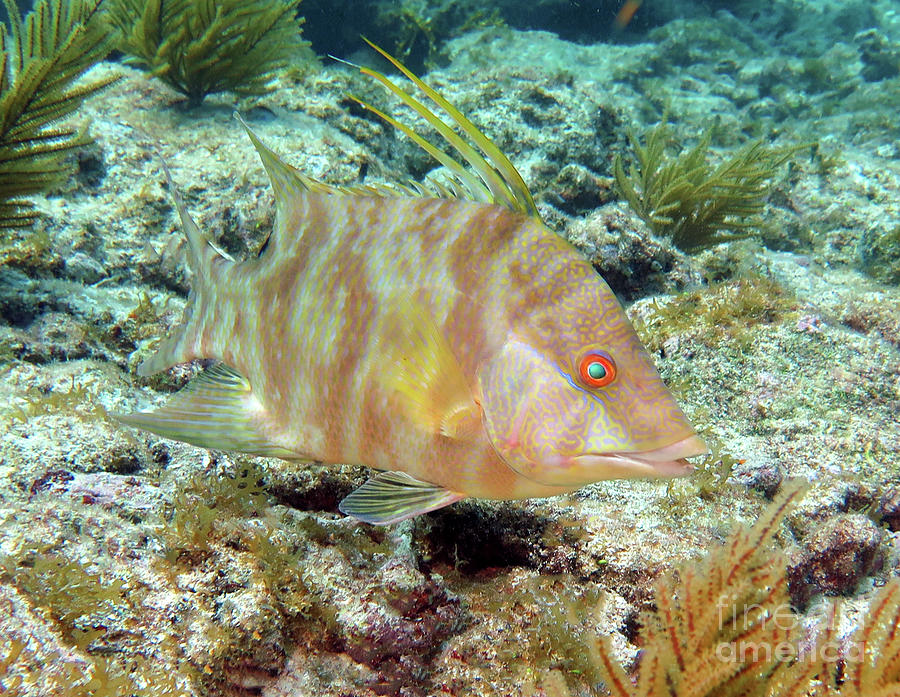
(596, 369)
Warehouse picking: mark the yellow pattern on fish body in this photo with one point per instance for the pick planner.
(443, 335)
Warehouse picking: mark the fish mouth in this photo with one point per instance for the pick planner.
(666, 461)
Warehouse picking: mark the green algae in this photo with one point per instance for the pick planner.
(723, 313)
(77, 401)
(222, 525)
(556, 619)
(565, 628)
(709, 479)
(206, 507)
(102, 676)
(80, 603)
(235, 511)
(27, 249)
(68, 590)
(419, 30)
(879, 254)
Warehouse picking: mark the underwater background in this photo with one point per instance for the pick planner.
(765, 286)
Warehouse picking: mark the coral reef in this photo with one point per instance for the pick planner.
(128, 559)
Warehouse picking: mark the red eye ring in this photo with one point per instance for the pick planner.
(596, 369)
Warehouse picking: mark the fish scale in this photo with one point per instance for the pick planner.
(439, 333)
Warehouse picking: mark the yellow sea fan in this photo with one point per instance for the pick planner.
(40, 60)
(199, 47)
(691, 201)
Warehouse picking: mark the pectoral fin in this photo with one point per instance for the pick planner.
(391, 497)
(420, 367)
(217, 410)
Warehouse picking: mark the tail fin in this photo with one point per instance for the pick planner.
(202, 255)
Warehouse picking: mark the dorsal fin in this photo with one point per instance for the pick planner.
(498, 181)
(287, 181)
(201, 249)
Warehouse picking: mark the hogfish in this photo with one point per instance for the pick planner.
(437, 331)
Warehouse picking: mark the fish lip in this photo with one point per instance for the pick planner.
(686, 447)
(666, 461)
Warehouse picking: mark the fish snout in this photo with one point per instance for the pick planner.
(669, 460)
(666, 461)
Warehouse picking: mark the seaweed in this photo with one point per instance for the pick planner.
(879, 253)
(688, 199)
(42, 57)
(726, 313)
(68, 591)
(79, 602)
(199, 47)
(24, 671)
(22, 248)
(710, 477)
(77, 401)
(205, 503)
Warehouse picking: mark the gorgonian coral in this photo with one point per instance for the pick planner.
(199, 47)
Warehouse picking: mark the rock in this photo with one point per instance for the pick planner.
(630, 259)
(19, 303)
(57, 336)
(399, 625)
(879, 55)
(255, 651)
(478, 536)
(577, 190)
(766, 478)
(81, 267)
(879, 253)
(836, 557)
(34, 649)
(887, 508)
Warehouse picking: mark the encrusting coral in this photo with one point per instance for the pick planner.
(199, 47)
(691, 201)
(42, 57)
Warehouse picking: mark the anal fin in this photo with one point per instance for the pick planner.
(390, 497)
(216, 410)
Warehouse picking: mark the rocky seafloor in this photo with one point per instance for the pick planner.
(132, 564)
